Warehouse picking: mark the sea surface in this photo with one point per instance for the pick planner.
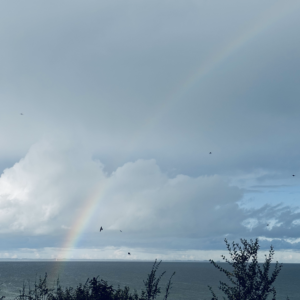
(190, 281)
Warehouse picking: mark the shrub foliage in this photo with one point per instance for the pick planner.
(96, 289)
(249, 281)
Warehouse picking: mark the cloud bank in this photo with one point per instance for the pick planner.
(44, 194)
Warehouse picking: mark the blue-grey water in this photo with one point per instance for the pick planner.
(190, 281)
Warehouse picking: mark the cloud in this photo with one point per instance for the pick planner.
(42, 197)
(131, 83)
(40, 193)
(119, 74)
(43, 192)
(144, 199)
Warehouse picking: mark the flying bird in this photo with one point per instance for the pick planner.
(209, 152)
(293, 175)
(101, 228)
(21, 114)
(267, 224)
(120, 230)
(129, 253)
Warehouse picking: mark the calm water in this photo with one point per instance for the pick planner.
(190, 281)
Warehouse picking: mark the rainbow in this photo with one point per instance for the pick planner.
(82, 220)
(274, 14)
(79, 226)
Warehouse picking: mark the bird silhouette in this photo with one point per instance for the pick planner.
(21, 114)
(101, 228)
(121, 231)
(293, 175)
(267, 224)
(129, 253)
(209, 152)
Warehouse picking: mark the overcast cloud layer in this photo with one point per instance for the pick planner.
(132, 96)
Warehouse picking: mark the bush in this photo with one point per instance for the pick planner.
(95, 289)
(248, 280)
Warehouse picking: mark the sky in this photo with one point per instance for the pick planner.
(109, 112)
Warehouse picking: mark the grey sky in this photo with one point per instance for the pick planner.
(133, 96)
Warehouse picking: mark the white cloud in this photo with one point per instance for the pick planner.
(45, 193)
(121, 253)
(143, 198)
(41, 192)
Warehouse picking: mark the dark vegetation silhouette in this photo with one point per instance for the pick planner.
(96, 289)
(249, 281)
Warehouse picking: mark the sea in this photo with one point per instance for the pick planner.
(190, 281)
